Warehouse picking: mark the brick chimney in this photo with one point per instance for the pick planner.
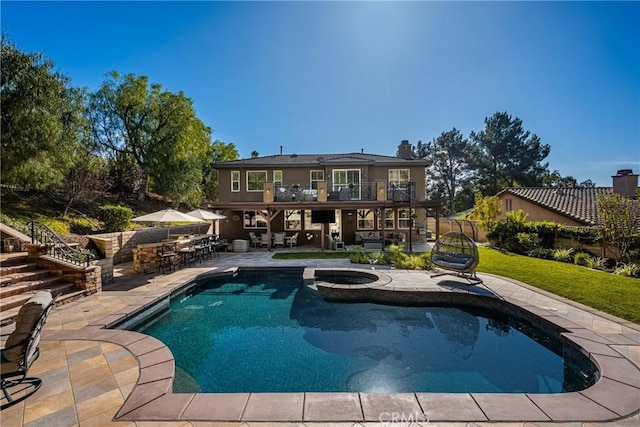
(405, 150)
(625, 182)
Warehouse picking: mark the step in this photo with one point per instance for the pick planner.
(65, 293)
(13, 259)
(27, 286)
(24, 276)
(18, 268)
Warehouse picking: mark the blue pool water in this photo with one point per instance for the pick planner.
(267, 332)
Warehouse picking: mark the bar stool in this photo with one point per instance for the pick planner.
(167, 257)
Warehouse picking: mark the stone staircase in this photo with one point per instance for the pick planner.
(20, 279)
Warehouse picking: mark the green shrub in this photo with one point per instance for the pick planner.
(115, 218)
(528, 241)
(379, 258)
(581, 258)
(597, 263)
(81, 226)
(630, 270)
(563, 255)
(359, 256)
(15, 224)
(426, 261)
(58, 226)
(505, 233)
(541, 253)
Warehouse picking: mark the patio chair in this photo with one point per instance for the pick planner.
(278, 239)
(255, 240)
(264, 240)
(291, 241)
(23, 348)
(335, 244)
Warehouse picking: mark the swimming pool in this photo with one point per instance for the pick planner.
(265, 331)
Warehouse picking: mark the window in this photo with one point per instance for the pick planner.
(508, 203)
(316, 176)
(347, 178)
(255, 219)
(404, 218)
(256, 180)
(389, 220)
(277, 179)
(235, 181)
(293, 220)
(308, 225)
(399, 176)
(365, 219)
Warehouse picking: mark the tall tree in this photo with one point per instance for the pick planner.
(619, 218)
(157, 128)
(41, 119)
(87, 176)
(505, 155)
(219, 152)
(448, 155)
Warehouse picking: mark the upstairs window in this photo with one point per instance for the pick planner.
(235, 181)
(399, 176)
(256, 180)
(277, 179)
(344, 179)
(315, 176)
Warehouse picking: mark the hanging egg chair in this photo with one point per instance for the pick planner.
(457, 252)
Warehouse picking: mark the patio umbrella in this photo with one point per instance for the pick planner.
(167, 215)
(203, 214)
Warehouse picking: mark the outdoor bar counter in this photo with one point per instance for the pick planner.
(146, 257)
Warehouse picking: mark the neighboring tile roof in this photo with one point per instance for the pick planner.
(579, 204)
(304, 160)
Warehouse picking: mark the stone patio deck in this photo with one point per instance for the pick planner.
(99, 377)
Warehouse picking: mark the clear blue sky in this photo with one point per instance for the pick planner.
(321, 77)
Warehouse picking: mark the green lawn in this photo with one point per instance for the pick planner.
(607, 292)
(617, 295)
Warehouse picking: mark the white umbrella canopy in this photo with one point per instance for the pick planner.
(201, 213)
(167, 215)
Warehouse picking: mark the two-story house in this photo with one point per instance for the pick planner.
(348, 195)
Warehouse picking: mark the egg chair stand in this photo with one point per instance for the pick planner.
(457, 253)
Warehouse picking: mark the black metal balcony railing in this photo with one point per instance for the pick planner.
(57, 247)
(363, 191)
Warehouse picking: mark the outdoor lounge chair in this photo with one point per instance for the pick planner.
(291, 241)
(23, 348)
(278, 239)
(255, 240)
(335, 244)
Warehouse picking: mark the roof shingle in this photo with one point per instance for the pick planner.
(577, 203)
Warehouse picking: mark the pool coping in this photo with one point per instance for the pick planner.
(614, 396)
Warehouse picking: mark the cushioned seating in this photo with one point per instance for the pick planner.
(23, 348)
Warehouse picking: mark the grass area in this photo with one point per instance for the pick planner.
(617, 295)
(311, 255)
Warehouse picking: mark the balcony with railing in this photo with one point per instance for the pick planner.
(364, 191)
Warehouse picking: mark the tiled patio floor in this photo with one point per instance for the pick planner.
(88, 382)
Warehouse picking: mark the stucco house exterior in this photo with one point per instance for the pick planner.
(350, 196)
(571, 206)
